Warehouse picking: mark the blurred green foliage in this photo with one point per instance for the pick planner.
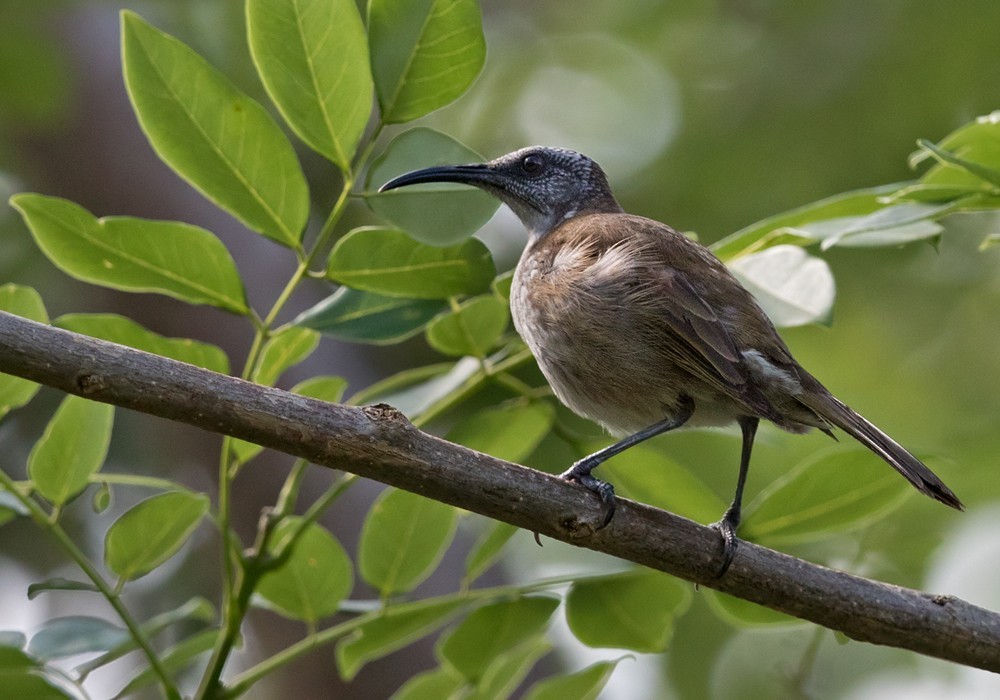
(748, 122)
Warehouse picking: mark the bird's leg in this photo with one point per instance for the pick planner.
(580, 471)
(731, 519)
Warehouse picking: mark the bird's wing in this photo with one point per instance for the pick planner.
(707, 348)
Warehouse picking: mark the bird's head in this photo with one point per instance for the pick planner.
(544, 186)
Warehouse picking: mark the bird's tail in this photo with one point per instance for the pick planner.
(869, 435)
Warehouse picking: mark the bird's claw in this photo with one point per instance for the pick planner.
(727, 529)
(580, 473)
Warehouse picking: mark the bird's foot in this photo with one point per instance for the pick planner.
(580, 473)
(727, 528)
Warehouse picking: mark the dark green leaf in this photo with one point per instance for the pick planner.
(60, 584)
(771, 231)
(585, 684)
(441, 682)
(793, 287)
(487, 548)
(634, 610)
(26, 302)
(316, 577)
(393, 629)
(833, 490)
(72, 448)
(403, 539)
(438, 214)
(424, 53)
(363, 317)
(388, 261)
(151, 532)
(473, 328)
(312, 56)
(492, 630)
(69, 636)
(510, 431)
(134, 255)
(214, 136)
(125, 331)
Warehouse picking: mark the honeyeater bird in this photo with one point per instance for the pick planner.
(643, 330)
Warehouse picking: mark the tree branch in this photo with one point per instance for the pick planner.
(377, 442)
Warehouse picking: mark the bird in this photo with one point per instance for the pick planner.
(642, 330)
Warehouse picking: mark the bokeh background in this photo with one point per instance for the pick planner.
(706, 115)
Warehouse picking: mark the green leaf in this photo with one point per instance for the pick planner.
(509, 669)
(743, 613)
(585, 684)
(649, 476)
(415, 390)
(282, 352)
(312, 56)
(486, 550)
(103, 498)
(125, 331)
(23, 677)
(72, 448)
(151, 532)
(363, 317)
(390, 262)
(501, 285)
(969, 156)
(134, 255)
(440, 682)
(892, 225)
(392, 629)
(474, 328)
(27, 303)
(59, 584)
(634, 610)
(325, 388)
(173, 660)
(774, 230)
(403, 539)
(213, 135)
(316, 577)
(440, 213)
(793, 287)
(424, 53)
(510, 431)
(831, 491)
(68, 636)
(492, 630)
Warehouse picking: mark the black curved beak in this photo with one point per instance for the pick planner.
(475, 175)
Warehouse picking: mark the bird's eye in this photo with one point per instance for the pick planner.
(532, 164)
